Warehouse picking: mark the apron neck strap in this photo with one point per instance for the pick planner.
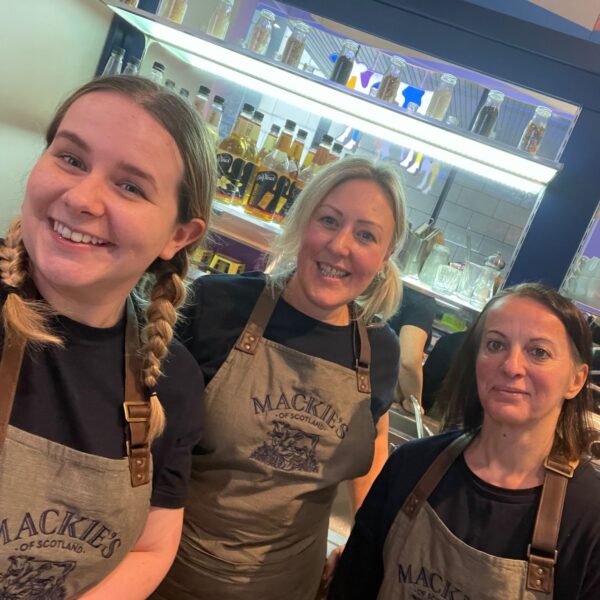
(542, 553)
(10, 366)
(438, 468)
(259, 319)
(136, 405)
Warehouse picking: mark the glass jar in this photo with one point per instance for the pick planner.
(345, 62)
(294, 47)
(201, 99)
(132, 67)
(488, 114)
(132, 3)
(534, 132)
(174, 10)
(260, 36)
(440, 101)
(114, 64)
(388, 88)
(220, 19)
(439, 255)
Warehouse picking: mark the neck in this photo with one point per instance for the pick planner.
(294, 295)
(86, 307)
(509, 457)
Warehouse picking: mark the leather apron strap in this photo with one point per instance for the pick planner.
(259, 319)
(429, 480)
(10, 366)
(136, 406)
(542, 552)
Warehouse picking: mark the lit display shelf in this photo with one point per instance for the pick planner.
(445, 299)
(459, 149)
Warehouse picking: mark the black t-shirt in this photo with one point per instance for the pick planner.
(74, 396)
(220, 308)
(417, 310)
(491, 519)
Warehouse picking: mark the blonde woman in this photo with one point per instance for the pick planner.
(300, 371)
(94, 441)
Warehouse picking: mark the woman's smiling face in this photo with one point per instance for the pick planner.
(101, 202)
(346, 242)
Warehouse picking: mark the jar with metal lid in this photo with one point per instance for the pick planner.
(158, 72)
(488, 114)
(220, 19)
(132, 67)
(260, 36)
(345, 62)
(174, 10)
(388, 88)
(294, 47)
(441, 98)
(114, 64)
(534, 132)
(132, 3)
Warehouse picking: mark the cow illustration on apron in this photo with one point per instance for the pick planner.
(283, 429)
(67, 518)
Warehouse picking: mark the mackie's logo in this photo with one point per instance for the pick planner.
(290, 449)
(29, 578)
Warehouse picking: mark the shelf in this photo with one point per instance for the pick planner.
(463, 150)
(233, 222)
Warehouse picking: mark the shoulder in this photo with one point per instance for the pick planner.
(212, 287)
(383, 341)
(416, 309)
(583, 492)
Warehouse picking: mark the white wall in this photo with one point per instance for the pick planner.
(47, 48)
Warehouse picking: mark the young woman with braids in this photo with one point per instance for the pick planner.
(301, 370)
(93, 466)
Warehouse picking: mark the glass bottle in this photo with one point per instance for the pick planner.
(218, 24)
(250, 156)
(170, 85)
(114, 64)
(296, 151)
(336, 152)
(294, 47)
(441, 98)
(158, 72)
(534, 132)
(174, 10)
(388, 88)
(260, 36)
(185, 94)
(201, 100)
(132, 67)
(253, 134)
(320, 159)
(231, 161)
(344, 63)
(214, 116)
(132, 3)
(488, 114)
(269, 143)
(272, 183)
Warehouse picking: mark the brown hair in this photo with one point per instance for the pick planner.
(574, 434)
(28, 318)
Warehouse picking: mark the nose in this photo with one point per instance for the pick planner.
(341, 241)
(514, 362)
(86, 196)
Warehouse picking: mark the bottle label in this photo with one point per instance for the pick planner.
(234, 176)
(270, 187)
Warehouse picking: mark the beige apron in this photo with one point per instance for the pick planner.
(286, 428)
(424, 560)
(67, 518)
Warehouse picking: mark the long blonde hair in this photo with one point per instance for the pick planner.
(384, 293)
(24, 316)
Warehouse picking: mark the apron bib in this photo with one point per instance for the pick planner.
(284, 429)
(67, 518)
(423, 559)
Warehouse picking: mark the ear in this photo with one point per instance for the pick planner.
(183, 235)
(579, 378)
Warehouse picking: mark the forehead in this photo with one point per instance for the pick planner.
(111, 121)
(362, 199)
(520, 316)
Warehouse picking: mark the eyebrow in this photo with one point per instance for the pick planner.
(363, 221)
(534, 339)
(132, 169)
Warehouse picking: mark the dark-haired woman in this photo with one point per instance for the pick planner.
(508, 507)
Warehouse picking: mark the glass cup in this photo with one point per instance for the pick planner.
(446, 279)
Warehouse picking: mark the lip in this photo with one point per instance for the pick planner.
(510, 390)
(320, 263)
(51, 223)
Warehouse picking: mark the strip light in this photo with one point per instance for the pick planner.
(503, 166)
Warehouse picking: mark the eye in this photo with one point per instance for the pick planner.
(328, 221)
(539, 353)
(130, 188)
(494, 345)
(366, 236)
(71, 160)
